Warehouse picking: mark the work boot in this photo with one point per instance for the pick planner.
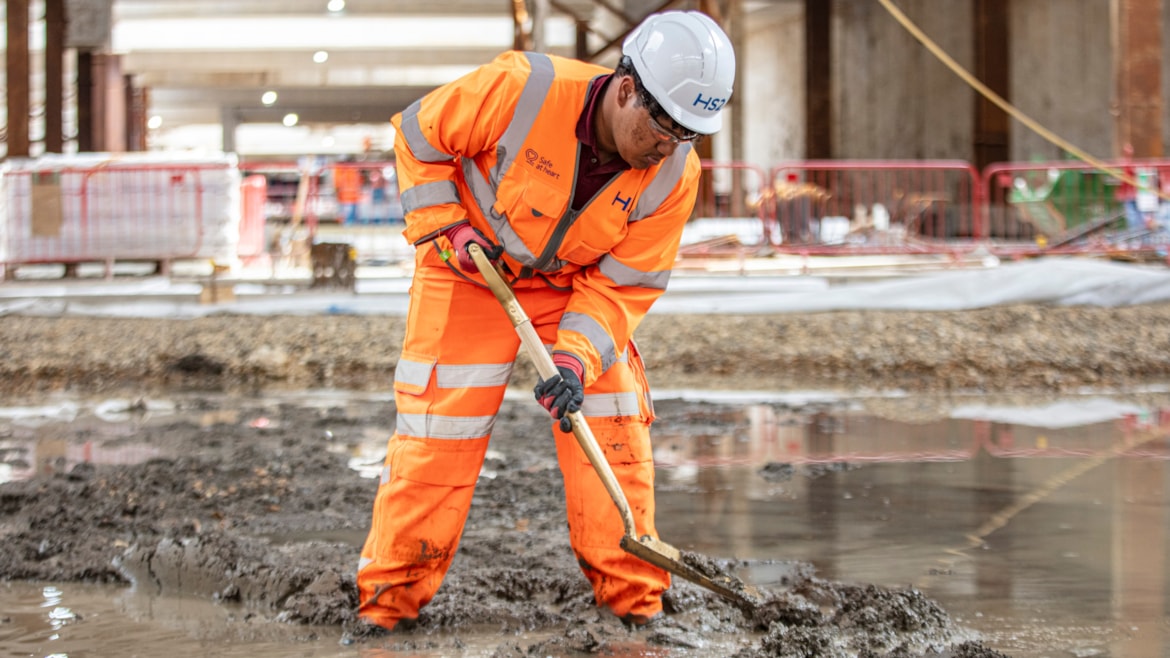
(638, 622)
(363, 630)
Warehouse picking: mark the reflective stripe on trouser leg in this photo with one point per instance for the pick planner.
(622, 582)
(448, 386)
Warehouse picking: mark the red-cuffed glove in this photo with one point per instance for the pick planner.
(463, 234)
(563, 393)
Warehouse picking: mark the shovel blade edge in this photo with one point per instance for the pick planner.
(667, 557)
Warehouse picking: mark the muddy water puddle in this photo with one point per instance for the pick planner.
(1040, 526)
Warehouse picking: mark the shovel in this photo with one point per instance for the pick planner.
(646, 548)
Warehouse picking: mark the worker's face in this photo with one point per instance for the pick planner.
(644, 140)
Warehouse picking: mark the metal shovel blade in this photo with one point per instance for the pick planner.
(667, 557)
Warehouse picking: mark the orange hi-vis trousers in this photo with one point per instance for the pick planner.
(449, 383)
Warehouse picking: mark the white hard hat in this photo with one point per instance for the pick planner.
(687, 64)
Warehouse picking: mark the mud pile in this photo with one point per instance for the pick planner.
(229, 520)
(1038, 348)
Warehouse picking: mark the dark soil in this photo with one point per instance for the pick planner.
(252, 513)
(1011, 348)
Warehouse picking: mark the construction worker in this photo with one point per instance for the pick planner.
(578, 179)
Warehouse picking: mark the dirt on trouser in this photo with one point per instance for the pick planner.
(226, 521)
(229, 517)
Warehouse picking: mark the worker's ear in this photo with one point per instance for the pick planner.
(626, 91)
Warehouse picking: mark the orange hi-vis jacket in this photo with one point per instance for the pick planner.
(498, 147)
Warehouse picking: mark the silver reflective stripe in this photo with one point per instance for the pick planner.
(485, 198)
(524, 116)
(484, 190)
(429, 194)
(624, 275)
(433, 426)
(412, 133)
(364, 562)
(385, 474)
(588, 327)
(611, 404)
(473, 376)
(664, 181)
(414, 373)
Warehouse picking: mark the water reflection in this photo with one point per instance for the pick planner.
(1043, 527)
(56, 436)
(1044, 531)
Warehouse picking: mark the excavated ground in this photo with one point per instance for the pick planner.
(226, 518)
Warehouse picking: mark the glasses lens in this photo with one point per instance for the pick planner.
(665, 135)
(655, 110)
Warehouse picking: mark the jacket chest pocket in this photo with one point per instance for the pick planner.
(592, 236)
(532, 203)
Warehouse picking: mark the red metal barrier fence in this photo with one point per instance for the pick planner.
(56, 212)
(119, 212)
(253, 221)
(731, 219)
(830, 206)
(1072, 207)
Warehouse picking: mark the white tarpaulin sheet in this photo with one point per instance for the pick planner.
(1058, 281)
(1065, 281)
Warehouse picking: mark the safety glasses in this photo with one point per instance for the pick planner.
(665, 135)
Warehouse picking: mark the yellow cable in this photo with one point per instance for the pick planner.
(1002, 104)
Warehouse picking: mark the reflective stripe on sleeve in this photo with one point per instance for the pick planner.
(429, 194)
(433, 426)
(624, 275)
(412, 133)
(591, 330)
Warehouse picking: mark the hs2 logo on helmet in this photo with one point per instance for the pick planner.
(710, 104)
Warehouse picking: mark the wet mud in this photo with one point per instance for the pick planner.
(269, 515)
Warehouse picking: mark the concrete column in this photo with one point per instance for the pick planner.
(1137, 63)
(18, 78)
(109, 103)
(55, 20)
(992, 27)
(85, 98)
(230, 120)
(137, 105)
(818, 57)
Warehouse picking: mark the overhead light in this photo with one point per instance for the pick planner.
(154, 122)
(268, 98)
(290, 119)
(335, 5)
(321, 56)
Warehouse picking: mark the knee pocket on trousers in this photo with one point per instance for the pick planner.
(626, 440)
(430, 462)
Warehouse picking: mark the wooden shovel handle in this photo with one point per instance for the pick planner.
(545, 368)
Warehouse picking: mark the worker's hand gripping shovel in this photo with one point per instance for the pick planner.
(647, 548)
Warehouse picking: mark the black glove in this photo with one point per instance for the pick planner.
(561, 394)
